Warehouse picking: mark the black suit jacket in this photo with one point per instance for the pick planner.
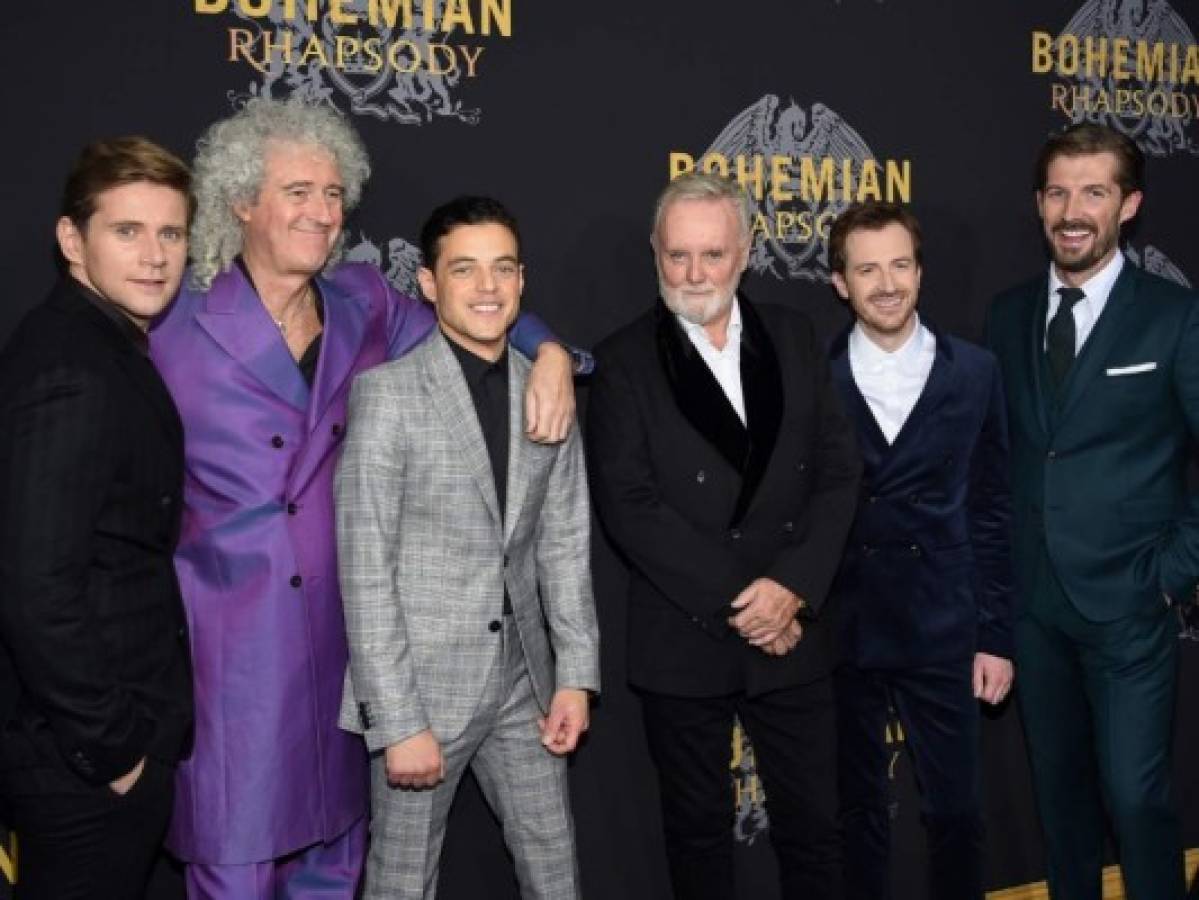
(94, 670)
(927, 571)
(701, 506)
(1100, 476)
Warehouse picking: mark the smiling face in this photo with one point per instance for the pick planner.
(700, 253)
(292, 226)
(475, 284)
(133, 248)
(1082, 208)
(881, 281)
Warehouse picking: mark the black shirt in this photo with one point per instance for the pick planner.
(118, 318)
(488, 385)
(307, 362)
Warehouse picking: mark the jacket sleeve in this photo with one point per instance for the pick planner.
(693, 570)
(57, 467)
(989, 503)
(808, 564)
(1178, 559)
(369, 491)
(563, 571)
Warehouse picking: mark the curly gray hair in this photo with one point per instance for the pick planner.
(229, 169)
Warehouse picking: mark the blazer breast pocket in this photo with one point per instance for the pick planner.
(1132, 387)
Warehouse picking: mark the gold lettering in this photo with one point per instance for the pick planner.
(8, 858)
(1120, 47)
(1095, 54)
(680, 164)
(339, 16)
(241, 43)
(314, 47)
(847, 179)
(715, 164)
(1103, 103)
(1162, 103)
(813, 188)
(868, 186)
(210, 7)
(457, 13)
(347, 48)
(756, 178)
(1067, 54)
(370, 47)
(386, 12)
(760, 225)
(1151, 61)
(431, 65)
(498, 12)
(255, 10)
(393, 57)
(779, 178)
(429, 12)
(899, 181)
(470, 58)
(1057, 98)
(271, 48)
(784, 221)
(1042, 52)
(1190, 69)
(824, 224)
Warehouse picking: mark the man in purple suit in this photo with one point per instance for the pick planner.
(259, 351)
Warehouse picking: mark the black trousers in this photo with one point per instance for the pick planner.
(940, 719)
(91, 844)
(793, 732)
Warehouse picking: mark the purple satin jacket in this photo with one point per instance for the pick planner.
(270, 772)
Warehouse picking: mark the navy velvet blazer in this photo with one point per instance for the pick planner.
(927, 572)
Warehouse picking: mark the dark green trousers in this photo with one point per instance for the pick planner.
(1097, 701)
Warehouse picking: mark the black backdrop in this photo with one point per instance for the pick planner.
(571, 112)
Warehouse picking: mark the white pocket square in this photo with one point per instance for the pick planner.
(1132, 370)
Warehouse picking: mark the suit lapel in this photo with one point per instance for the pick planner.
(451, 399)
(235, 318)
(940, 379)
(762, 388)
(1032, 326)
(344, 329)
(1102, 340)
(697, 393)
(520, 447)
(872, 442)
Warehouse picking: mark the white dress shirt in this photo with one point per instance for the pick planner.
(725, 364)
(1086, 311)
(891, 382)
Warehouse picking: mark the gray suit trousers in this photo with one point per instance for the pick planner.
(523, 782)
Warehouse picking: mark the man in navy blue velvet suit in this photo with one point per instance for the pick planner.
(925, 586)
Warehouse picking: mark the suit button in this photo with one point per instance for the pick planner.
(296, 581)
(873, 498)
(181, 633)
(292, 509)
(913, 498)
(735, 534)
(277, 441)
(336, 429)
(700, 476)
(1051, 455)
(165, 500)
(494, 625)
(788, 527)
(915, 550)
(801, 466)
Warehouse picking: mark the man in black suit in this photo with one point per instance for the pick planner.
(95, 689)
(925, 586)
(725, 472)
(1100, 363)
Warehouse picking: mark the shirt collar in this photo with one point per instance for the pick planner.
(1098, 286)
(698, 333)
(135, 335)
(871, 354)
(475, 368)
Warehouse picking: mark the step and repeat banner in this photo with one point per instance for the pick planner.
(575, 114)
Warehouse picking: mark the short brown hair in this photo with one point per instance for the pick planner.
(868, 217)
(1088, 138)
(118, 161)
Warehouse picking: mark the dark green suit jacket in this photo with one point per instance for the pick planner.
(1099, 472)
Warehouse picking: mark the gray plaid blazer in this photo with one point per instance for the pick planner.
(423, 558)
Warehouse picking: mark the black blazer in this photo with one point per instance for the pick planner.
(700, 506)
(927, 571)
(94, 670)
(1100, 476)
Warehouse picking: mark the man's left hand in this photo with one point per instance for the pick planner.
(992, 678)
(550, 395)
(765, 610)
(567, 720)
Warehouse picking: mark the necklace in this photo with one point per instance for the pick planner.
(301, 305)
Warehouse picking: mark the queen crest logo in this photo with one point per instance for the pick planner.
(1157, 263)
(749, 800)
(393, 60)
(403, 260)
(1130, 64)
(801, 168)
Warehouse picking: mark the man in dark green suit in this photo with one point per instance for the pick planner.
(1100, 362)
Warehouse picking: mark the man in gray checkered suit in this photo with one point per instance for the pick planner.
(463, 550)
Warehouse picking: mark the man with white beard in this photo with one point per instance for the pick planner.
(725, 472)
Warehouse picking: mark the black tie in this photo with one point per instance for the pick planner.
(1059, 336)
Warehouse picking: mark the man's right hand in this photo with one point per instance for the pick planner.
(785, 642)
(415, 762)
(125, 783)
